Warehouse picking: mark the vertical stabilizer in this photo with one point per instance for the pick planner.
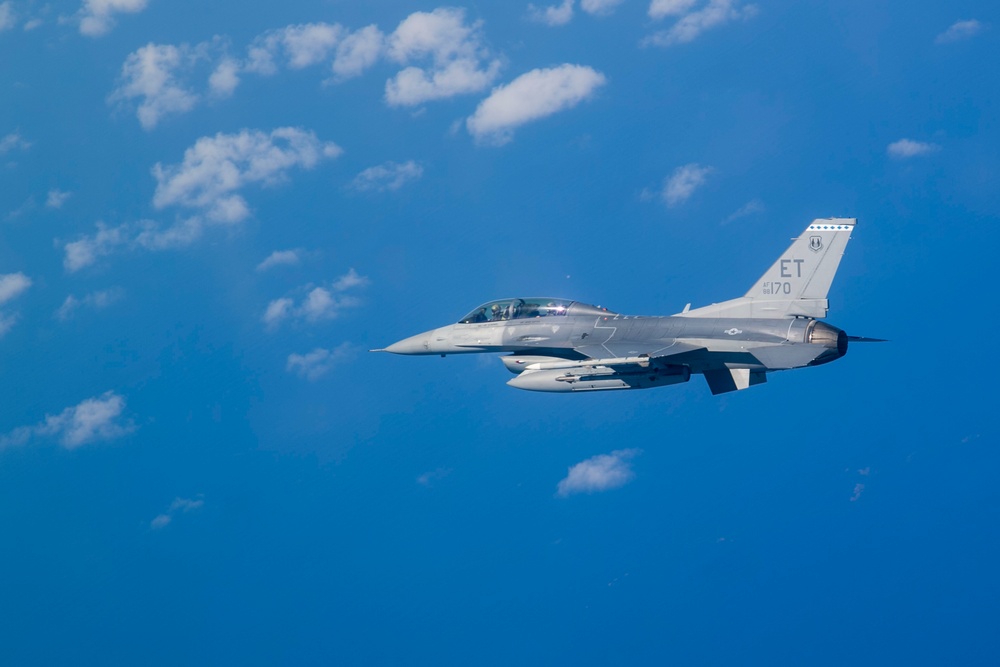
(797, 283)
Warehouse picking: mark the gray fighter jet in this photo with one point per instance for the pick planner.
(560, 345)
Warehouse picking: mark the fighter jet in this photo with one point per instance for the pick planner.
(561, 345)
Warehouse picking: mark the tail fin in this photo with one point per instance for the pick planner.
(798, 282)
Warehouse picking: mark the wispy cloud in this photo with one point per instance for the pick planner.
(179, 506)
(56, 198)
(95, 419)
(751, 207)
(12, 285)
(907, 148)
(317, 303)
(858, 490)
(387, 176)
(8, 19)
(599, 473)
(682, 183)
(96, 300)
(659, 9)
(960, 30)
(314, 365)
(552, 15)
(97, 17)
(431, 477)
(531, 96)
(280, 258)
(600, 7)
(13, 141)
(692, 24)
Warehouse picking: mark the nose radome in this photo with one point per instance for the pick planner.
(418, 344)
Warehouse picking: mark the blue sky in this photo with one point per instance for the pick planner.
(209, 214)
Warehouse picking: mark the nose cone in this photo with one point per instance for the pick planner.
(419, 344)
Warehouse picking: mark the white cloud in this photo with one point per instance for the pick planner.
(224, 78)
(7, 17)
(907, 148)
(13, 141)
(88, 249)
(314, 365)
(387, 176)
(680, 185)
(97, 16)
(310, 43)
(179, 506)
(357, 52)
(32, 24)
(599, 473)
(552, 15)
(460, 62)
(150, 75)
(13, 285)
(960, 30)
(153, 236)
(216, 168)
(691, 25)
(661, 8)
(98, 418)
(858, 490)
(533, 95)
(97, 300)
(145, 234)
(349, 280)
(56, 198)
(751, 207)
(279, 258)
(318, 304)
(599, 7)
(302, 45)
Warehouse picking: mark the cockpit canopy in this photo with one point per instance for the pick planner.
(527, 308)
